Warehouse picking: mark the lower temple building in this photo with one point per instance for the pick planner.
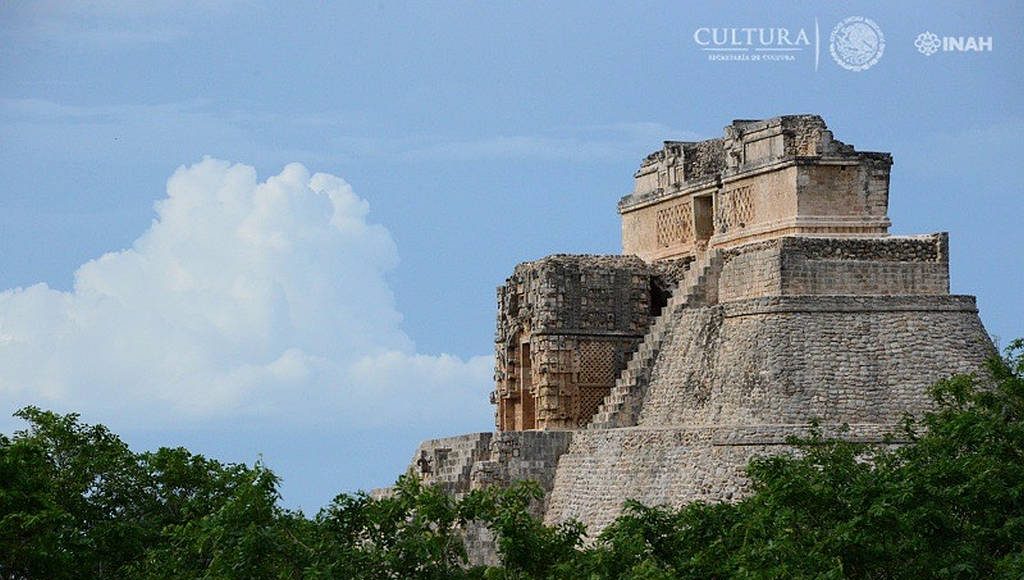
(758, 291)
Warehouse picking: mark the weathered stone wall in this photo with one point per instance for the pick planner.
(844, 189)
(750, 205)
(874, 266)
(764, 179)
(733, 380)
(751, 271)
(449, 461)
(792, 265)
(566, 325)
(703, 160)
(667, 466)
(666, 228)
(797, 359)
(478, 460)
(575, 294)
(836, 330)
(521, 456)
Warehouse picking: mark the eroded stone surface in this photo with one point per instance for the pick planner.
(566, 325)
(763, 180)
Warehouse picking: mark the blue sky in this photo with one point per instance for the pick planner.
(469, 136)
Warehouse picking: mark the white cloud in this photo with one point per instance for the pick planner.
(243, 298)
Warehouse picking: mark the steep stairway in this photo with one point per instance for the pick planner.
(697, 287)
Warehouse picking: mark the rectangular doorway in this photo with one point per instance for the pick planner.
(703, 217)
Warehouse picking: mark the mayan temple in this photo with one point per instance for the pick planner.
(758, 290)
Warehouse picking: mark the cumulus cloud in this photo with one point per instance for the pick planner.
(243, 298)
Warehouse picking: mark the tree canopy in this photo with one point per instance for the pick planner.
(946, 500)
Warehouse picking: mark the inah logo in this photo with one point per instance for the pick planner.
(856, 43)
(927, 43)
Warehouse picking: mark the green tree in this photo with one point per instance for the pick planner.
(76, 502)
(527, 547)
(245, 534)
(68, 505)
(411, 533)
(946, 502)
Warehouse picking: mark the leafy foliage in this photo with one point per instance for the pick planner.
(528, 548)
(76, 502)
(411, 533)
(946, 502)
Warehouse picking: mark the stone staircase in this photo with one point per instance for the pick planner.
(698, 287)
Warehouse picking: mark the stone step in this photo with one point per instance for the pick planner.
(633, 364)
(621, 406)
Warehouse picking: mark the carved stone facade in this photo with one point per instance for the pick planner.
(760, 293)
(763, 180)
(565, 326)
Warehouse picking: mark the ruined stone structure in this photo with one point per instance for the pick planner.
(763, 180)
(759, 291)
(565, 327)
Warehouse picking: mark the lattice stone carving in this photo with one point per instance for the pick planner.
(675, 224)
(736, 208)
(596, 363)
(588, 400)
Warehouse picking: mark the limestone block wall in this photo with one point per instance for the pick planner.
(521, 456)
(449, 461)
(799, 265)
(750, 144)
(874, 266)
(733, 380)
(463, 463)
(566, 294)
(477, 460)
(839, 189)
(603, 468)
(671, 227)
(703, 160)
(747, 205)
(751, 271)
(515, 456)
(793, 359)
(666, 466)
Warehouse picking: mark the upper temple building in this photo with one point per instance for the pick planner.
(758, 294)
(764, 179)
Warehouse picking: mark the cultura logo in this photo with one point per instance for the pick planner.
(927, 43)
(856, 43)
